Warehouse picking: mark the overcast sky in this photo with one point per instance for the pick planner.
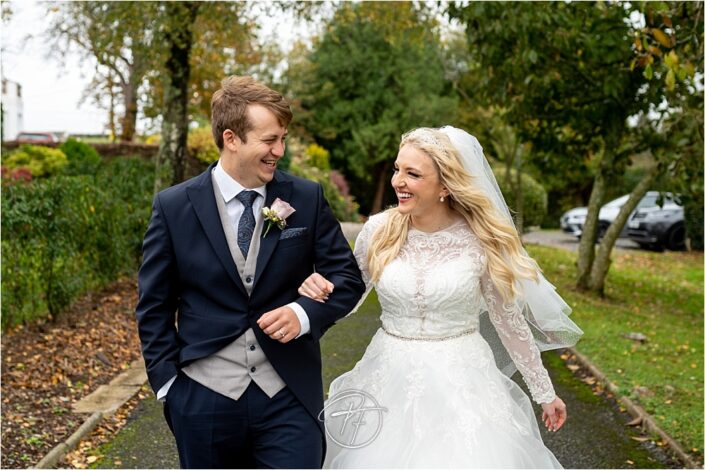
(50, 93)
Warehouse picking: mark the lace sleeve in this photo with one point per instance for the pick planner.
(516, 336)
(361, 244)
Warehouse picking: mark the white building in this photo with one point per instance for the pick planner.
(12, 109)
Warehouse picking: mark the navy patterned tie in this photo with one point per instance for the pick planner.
(246, 226)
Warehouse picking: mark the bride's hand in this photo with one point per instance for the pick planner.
(554, 414)
(316, 287)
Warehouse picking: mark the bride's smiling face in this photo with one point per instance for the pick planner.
(416, 182)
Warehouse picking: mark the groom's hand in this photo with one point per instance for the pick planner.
(280, 324)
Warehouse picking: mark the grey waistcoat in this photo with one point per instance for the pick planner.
(230, 370)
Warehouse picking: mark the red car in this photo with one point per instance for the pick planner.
(36, 138)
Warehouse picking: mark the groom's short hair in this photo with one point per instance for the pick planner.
(229, 106)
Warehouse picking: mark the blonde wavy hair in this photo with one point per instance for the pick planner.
(506, 260)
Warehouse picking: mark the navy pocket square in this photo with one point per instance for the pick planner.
(293, 232)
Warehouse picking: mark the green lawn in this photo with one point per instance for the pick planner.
(661, 296)
(657, 294)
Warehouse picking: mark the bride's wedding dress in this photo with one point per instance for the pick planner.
(445, 403)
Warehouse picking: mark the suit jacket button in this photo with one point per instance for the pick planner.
(252, 347)
(248, 279)
(253, 369)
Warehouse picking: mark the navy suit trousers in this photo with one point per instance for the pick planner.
(255, 431)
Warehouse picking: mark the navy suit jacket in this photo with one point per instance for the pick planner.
(192, 301)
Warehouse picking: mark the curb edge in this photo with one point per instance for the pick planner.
(636, 411)
(55, 454)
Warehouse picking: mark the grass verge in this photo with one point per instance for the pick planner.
(659, 295)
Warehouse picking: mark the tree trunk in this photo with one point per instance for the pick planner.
(519, 192)
(179, 38)
(381, 187)
(602, 261)
(111, 112)
(128, 122)
(586, 251)
(130, 92)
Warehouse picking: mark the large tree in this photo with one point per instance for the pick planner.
(569, 77)
(375, 73)
(562, 72)
(130, 43)
(668, 48)
(119, 37)
(204, 42)
(177, 34)
(223, 42)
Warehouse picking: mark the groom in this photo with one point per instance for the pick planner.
(229, 345)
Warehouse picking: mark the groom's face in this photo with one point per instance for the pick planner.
(252, 162)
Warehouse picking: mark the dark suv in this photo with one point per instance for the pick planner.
(659, 225)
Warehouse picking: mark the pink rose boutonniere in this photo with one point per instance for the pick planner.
(277, 214)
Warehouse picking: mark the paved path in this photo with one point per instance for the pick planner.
(595, 436)
(559, 239)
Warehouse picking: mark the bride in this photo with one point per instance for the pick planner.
(462, 305)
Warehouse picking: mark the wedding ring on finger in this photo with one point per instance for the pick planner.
(281, 334)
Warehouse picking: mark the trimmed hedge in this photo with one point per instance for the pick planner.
(66, 235)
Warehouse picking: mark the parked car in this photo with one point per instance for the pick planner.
(658, 226)
(36, 137)
(573, 220)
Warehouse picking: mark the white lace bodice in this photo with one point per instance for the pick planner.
(438, 286)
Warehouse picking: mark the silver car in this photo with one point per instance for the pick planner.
(573, 220)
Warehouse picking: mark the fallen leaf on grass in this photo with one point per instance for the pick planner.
(634, 336)
(636, 421)
(573, 367)
(640, 438)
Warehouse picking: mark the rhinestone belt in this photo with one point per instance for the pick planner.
(429, 338)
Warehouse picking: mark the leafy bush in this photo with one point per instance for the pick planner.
(154, 139)
(18, 174)
(65, 235)
(83, 158)
(318, 157)
(313, 164)
(41, 161)
(535, 200)
(202, 146)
